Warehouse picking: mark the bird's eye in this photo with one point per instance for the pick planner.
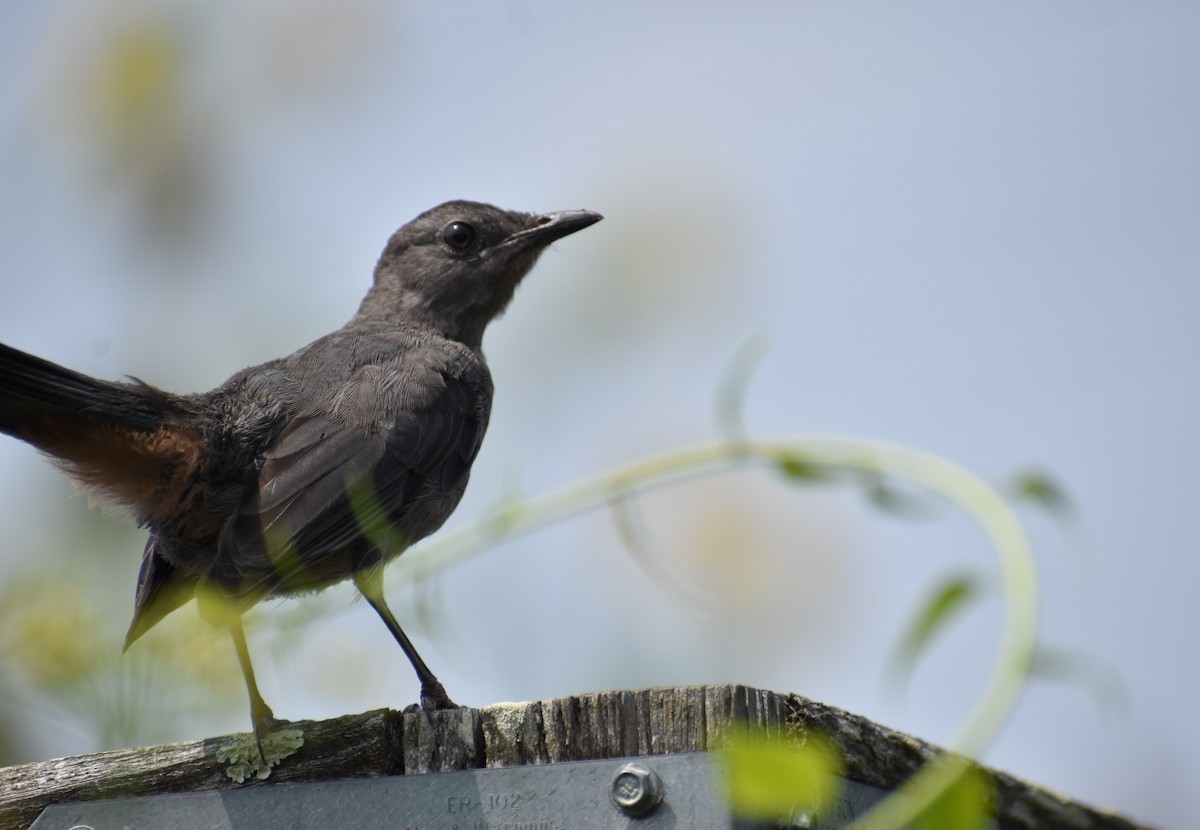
(458, 235)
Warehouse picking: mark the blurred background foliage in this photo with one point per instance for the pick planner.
(970, 229)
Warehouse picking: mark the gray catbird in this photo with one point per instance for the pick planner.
(313, 468)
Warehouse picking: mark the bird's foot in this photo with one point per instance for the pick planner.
(433, 696)
(254, 754)
(264, 722)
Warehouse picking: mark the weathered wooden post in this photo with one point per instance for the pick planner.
(628, 759)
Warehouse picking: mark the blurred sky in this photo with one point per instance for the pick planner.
(972, 228)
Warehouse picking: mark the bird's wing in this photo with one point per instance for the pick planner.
(337, 489)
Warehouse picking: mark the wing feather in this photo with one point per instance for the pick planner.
(333, 493)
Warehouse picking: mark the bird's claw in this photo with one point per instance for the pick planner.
(255, 754)
(433, 696)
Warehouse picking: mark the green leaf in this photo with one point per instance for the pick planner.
(1092, 674)
(769, 778)
(800, 470)
(898, 501)
(1041, 490)
(933, 616)
(965, 805)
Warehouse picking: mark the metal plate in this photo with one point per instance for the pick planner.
(567, 796)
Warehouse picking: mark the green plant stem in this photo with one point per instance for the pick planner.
(950, 481)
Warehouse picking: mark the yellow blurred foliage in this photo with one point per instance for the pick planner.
(136, 78)
(769, 778)
(49, 631)
(61, 639)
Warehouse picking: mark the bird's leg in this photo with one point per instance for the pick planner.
(270, 745)
(433, 694)
(261, 715)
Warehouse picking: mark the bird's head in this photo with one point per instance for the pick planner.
(455, 267)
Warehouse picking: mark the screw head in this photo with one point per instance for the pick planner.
(636, 790)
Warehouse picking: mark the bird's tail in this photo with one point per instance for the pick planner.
(129, 441)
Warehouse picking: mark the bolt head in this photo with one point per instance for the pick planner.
(636, 790)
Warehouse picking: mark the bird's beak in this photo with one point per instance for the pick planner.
(549, 227)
